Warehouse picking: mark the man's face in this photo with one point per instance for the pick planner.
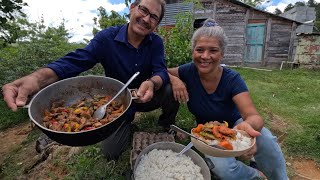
(144, 18)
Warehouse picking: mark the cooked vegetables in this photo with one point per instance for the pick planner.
(78, 117)
(216, 131)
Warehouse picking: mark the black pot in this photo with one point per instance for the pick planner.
(70, 91)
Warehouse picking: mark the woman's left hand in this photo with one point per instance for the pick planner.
(244, 126)
(248, 155)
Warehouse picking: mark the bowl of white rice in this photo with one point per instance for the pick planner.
(241, 144)
(160, 161)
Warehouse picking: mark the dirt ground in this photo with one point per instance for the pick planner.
(36, 168)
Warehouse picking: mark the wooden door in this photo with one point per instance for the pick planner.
(255, 43)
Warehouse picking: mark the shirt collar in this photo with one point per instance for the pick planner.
(122, 36)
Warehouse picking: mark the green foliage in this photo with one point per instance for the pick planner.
(253, 3)
(9, 118)
(277, 11)
(106, 20)
(177, 40)
(92, 165)
(43, 46)
(9, 9)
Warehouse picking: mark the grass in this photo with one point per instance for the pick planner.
(291, 95)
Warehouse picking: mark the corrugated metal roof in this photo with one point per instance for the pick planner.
(174, 9)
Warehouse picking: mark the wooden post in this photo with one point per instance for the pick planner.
(291, 46)
(244, 49)
(266, 43)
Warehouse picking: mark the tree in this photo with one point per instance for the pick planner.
(311, 3)
(106, 20)
(8, 9)
(13, 31)
(289, 7)
(277, 11)
(253, 3)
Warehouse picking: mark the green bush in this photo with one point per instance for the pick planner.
(177, 40)
(19, 60)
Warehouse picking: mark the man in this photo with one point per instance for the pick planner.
(122, 51)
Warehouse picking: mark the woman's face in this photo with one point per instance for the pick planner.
(207, 54)
(144, 18)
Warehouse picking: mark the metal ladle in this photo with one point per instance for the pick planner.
(101, 111)
(175, 128)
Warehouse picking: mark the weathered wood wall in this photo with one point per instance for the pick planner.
(234, 18)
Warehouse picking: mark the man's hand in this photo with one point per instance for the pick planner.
(16, 93)
(145, 92)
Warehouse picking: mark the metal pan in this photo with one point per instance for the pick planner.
(70, 91)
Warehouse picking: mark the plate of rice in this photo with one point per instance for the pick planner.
(160, 161)
(235, 142)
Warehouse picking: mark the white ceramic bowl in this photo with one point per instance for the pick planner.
(212, 151)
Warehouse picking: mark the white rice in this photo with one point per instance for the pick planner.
(242, 142)
(166, 165)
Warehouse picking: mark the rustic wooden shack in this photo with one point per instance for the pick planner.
(256, 38)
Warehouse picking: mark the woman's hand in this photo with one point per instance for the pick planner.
(179, 89)
(244, 126)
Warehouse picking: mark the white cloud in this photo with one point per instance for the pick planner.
(282, 4)
(78, 14)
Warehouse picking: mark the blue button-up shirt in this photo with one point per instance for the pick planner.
(119, 58)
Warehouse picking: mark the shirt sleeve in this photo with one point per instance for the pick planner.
(158, 61)
(74, 63)
(238, 85)
(183, 71)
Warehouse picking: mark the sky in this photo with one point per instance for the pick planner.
(79, 14)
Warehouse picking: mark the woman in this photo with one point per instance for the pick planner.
(217, 93)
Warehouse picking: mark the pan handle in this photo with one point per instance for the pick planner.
(25, 106)
(134, 93)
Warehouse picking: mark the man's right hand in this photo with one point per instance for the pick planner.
(16, 93)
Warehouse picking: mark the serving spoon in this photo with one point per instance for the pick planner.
(101, 111)
(176, 128)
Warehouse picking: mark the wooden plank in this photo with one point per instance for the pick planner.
(279, 48)
(291, 46)
(244, 49)
(281, 27)
(280, 34)
(276, 59)
(236, 41)
(280, 39)
(266, 45)
(214, 10)
(234, 49)
(278, 44)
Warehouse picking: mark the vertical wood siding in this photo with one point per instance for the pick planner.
(234, 18)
